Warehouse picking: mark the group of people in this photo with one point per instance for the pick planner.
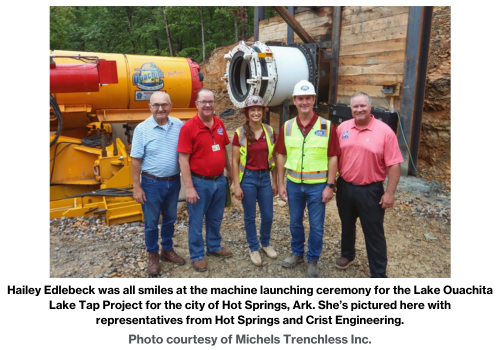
(316, 159)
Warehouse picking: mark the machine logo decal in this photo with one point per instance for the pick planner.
(149, 77)
(345, 135)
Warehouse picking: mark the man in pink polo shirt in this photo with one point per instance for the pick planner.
(369, 152)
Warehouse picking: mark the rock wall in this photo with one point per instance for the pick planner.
(434, 157)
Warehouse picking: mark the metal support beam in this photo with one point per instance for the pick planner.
(292, 22)
(417, 50)
(289, 31)
(334, 66)
(284, 113)
(259, 13)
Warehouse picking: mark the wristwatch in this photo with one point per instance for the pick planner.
(330, 185)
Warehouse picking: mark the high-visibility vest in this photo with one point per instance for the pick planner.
(269, 132)
(307, 157)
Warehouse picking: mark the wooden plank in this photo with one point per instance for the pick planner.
(325, 11)
(390, 68)
(371, 90)
(270, 21)
(375, 13)
(389, 45)
(378, 24)
(379, 35)
(376, 101)
(350, 10)
(316, 22)
(370, 79)
(372, 58)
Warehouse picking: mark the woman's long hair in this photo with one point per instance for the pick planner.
(248, 131)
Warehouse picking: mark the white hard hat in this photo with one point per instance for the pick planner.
(303, 87)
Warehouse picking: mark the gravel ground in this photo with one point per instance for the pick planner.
(418, 235)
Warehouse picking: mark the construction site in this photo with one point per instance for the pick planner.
(400, 56)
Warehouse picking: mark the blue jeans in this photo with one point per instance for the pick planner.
(212, 195)
(256, 187)
(298, 196)
(161, 198)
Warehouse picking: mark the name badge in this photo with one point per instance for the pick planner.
(215, 148)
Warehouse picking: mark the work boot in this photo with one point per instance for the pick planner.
(200, 265)
(343, 263)
(292, 260)
(312, 269)
(222, 253)
(270, 252)
(172, 256)
(153, 264)
(255, 257)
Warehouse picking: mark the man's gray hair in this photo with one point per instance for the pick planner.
(159, 93)
(362, 94)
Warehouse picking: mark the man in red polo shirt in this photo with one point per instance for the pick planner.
(202, 158)
(369, 152)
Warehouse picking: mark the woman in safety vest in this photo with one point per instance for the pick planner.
(253, 160)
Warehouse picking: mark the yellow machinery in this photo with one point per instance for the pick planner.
(94, 98)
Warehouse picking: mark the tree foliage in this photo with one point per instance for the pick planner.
(142, 29)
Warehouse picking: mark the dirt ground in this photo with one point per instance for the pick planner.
(418, 233)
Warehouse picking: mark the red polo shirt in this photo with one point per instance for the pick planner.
(333, 142)
(206, 146)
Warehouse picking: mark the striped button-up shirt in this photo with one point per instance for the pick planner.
(157, 146)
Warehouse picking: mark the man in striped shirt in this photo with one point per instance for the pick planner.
(155, 176)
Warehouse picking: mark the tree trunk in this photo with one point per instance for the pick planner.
(202, 31)
(129, 27)
(242, 20)
(168, 31)
(235, 27)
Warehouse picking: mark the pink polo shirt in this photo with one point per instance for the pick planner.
(366, 153)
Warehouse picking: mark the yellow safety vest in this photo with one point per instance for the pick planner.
(307, 157)
(268, 130)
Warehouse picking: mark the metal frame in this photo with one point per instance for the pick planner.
(417, 50)
(289, 31)
(337, 11)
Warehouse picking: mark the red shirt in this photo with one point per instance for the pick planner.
(333, 142)
(256, 153)
(366, 153)
(206, 146)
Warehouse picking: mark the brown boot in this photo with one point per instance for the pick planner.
(154, 264)
(222, 253)
(171, 255)
(200, 265)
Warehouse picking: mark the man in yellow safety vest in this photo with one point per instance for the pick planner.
(308, 148)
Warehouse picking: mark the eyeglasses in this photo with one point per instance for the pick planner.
(206, 102)
(163, 105)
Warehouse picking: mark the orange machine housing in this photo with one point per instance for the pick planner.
(127, 101)
(95, 180)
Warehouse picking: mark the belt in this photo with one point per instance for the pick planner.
(168, 178)
(206, 177)
(355, 184)
(263, 171)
